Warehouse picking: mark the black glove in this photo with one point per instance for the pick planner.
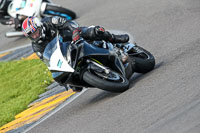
(58, 21)
(76, 36)
(99, 30)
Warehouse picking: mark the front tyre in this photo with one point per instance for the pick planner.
(144, 60)
(113, 82)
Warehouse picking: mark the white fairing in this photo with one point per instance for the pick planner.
(58, 63)
(28, 8)
(43, 7)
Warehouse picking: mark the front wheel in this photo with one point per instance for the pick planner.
(55, 10)
(144, 60)
(113, 82)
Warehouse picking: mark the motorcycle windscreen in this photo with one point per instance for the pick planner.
(54, 58)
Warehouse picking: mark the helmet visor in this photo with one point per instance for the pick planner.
(36, 35)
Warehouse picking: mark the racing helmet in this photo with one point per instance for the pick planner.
(32, 28)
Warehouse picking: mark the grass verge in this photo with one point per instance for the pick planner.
(20, 83)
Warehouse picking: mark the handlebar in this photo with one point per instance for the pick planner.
(76, 43)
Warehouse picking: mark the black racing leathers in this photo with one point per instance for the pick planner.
(49, 32)
(66, 29)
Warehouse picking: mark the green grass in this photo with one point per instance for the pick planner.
(20, 83)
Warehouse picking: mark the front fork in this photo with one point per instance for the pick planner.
(98, 67)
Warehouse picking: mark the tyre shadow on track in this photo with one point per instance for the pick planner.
(138, 76)
(105, 95)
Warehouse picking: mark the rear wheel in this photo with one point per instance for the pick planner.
(144, 60)
(55, 10)
(111, 81)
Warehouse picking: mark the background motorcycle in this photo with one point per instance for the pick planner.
(13, 12)
(89, 65)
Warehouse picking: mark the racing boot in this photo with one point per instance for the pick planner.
(119, 38)
(100, 31)
(6, 21)
(76, 89)
(18, 26)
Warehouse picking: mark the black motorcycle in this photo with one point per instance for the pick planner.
(96, 63)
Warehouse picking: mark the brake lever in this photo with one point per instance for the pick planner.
(76, 44)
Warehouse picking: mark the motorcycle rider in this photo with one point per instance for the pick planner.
(42, 32)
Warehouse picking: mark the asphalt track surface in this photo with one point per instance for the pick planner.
(164, 100)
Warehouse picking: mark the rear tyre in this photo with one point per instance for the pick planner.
(101, 82)
(59, 11)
